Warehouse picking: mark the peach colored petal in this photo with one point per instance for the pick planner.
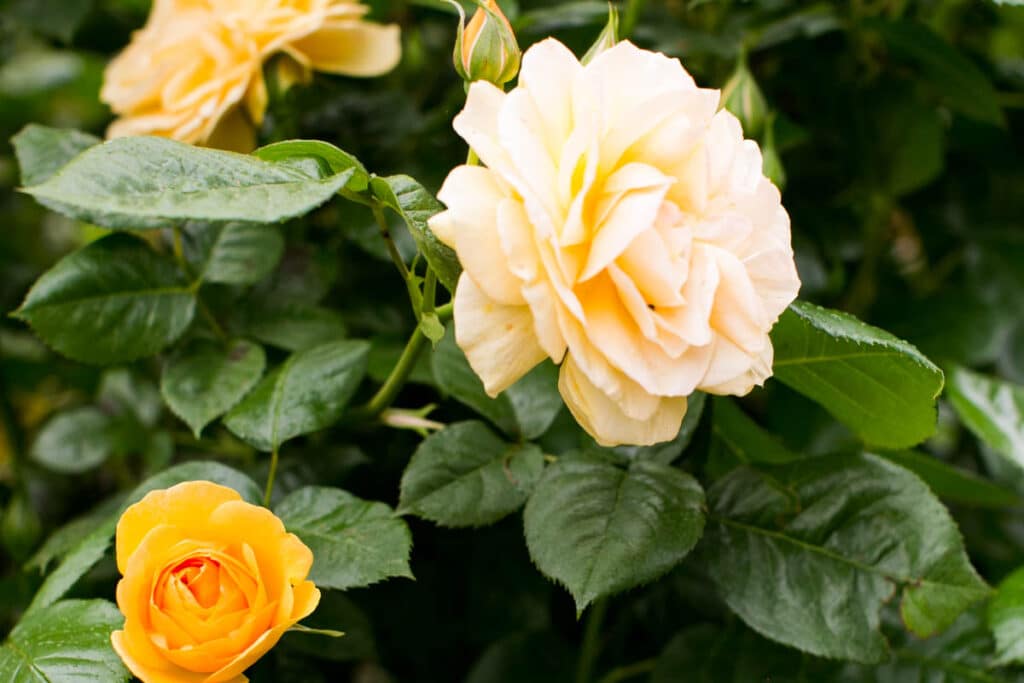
(356, 48)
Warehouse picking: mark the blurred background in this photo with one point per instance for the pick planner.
(894, 127)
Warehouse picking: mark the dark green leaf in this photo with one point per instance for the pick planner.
(952, 483)
(79, 440)
(415, 205)
(233, 253)
(527, 408)
(962, 84)
(54, 18)
(110, 302)
(667, 452)
(42, 151)
(292, 325)
(599, 529)
(355, 542)
(335, 612)
(205, 379)
(464, 475)
(63, 540)
(305, 394)
(68, 641)
(807, 553)
(992, 409)
(738, 440)
(135, 183)
(879, 386)
(533, 657)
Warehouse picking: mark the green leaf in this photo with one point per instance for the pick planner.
(738, 440)
(599, 529)
(204, 380)
(879, 386)
(94, 546)
(962, 84)
(68, 641)
(912, 145)
(807, 553)
(135, 183)
(66, 538)
(305, 394)
(526, 409)
(415, 205)
(531, 657)
(667, 452)
(82, 439)
(42, 150)
(233, 253)
(292, 325)
(335, 612)
(953, 483)
(317, 159)
(1006, 619)
(112, 301)
(465, 475)
(355, 542)
(992, 409)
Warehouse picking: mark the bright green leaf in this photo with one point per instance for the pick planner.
(879, 386)
(307, 393)
(68, 641)
(992, 409)
(464, 475)
(831, 539)
(355, 542)
(110, 302)
(415, 205)
(42, 150)
(136, 183)
(1006, 619)
(328, 160)
(599, 529)
(205, 379)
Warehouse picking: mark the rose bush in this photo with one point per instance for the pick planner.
(549, 364)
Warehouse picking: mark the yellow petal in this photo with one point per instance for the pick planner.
(498, 340)
(352, 48)
(188, 504)
(605, 420)
(168, 673)
(233, 132)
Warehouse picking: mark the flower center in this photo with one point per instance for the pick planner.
(201, 576)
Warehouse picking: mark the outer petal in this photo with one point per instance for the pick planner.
(353, 48)
(605, 420)
(151, 674)
(735, 373)
(498, 340)
(188, 504)
(473, 196)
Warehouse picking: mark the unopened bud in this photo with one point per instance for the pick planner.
(486, 47)
(742, 96)
(609, 36)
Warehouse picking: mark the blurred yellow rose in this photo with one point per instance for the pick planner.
(622, 227)
(210, 583)
(194, 72)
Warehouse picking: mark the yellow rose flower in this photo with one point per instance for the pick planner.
(622, 227)
(210, 583)
(194, 72)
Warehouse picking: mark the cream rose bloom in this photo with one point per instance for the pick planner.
(194, 72)
(623, 228)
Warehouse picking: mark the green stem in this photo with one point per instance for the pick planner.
(270, 477)
(210, 320)
(626, 672)
(396, 380)
(385, 232)
(591, 641)
(445, 312)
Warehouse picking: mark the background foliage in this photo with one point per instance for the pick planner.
(837, 533)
